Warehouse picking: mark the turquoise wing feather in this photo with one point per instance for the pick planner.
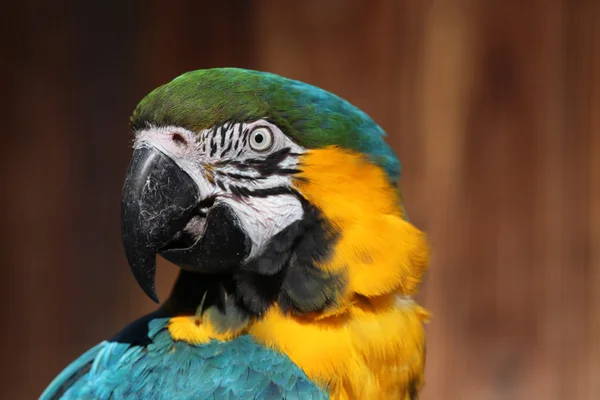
(153, 366)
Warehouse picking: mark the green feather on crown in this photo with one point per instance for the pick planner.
(309, 115)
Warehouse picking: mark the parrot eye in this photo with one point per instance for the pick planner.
(261, 139)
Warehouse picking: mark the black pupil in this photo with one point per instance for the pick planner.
(258, 138)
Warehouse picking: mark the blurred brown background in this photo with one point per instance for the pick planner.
(493, 107)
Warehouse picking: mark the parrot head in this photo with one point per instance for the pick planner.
(284, 191)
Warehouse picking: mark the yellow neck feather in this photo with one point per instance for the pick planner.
(373, 350)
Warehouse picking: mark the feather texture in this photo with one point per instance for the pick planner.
(166, 369)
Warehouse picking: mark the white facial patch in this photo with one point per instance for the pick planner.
(264, 217)
(248, 166)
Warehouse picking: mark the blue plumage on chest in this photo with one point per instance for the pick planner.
(165, 369)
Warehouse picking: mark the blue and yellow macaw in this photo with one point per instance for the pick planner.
(278, 201)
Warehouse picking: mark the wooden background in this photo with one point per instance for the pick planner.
(492, 105)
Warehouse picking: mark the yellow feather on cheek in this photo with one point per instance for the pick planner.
(381, 252)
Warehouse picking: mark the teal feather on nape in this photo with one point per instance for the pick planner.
(311, 116)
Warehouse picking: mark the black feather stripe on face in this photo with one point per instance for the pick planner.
(267, 166)
(238, 170)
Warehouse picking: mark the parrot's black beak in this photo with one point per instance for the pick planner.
(158, 199)
(163, 212)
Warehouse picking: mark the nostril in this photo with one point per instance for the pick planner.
(179, 139)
